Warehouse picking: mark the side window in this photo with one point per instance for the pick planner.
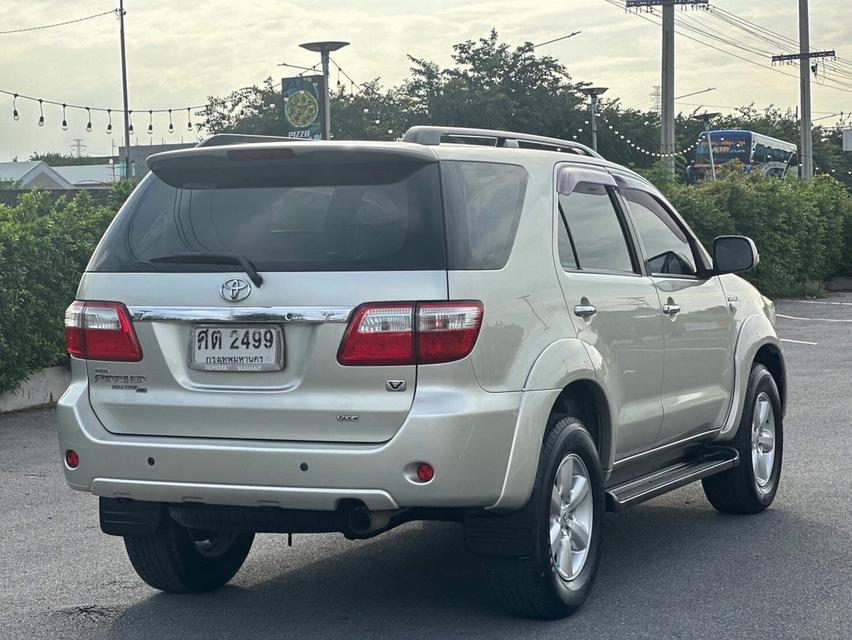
(595, 228)
(667, 248)
(483, 203)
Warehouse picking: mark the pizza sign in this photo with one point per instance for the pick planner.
(303, 106)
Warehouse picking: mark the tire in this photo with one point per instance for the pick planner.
(750, 487)
(180, 560)
(536, 586)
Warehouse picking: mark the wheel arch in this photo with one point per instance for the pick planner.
(586, 399)
(770, 356)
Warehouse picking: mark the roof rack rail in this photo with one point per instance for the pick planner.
(430, 135)
(223, 139)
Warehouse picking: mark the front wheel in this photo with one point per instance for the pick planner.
(565, 515)
(181, 560)
(751, 486)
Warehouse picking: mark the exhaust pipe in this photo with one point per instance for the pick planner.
(363, 522)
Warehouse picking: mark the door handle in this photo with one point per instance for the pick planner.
(671, 309)
(585, 310)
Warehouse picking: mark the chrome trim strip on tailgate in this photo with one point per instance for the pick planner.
(313, 315)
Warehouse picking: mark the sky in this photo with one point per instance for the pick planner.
(180, 52)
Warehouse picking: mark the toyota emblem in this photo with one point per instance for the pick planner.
(235, 290)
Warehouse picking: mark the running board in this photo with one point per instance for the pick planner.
(712, 460)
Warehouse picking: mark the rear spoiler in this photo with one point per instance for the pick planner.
(262, 164)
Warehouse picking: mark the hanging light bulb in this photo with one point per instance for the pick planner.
(40, 113)
(64, 121)
(109, 123)
(188, 120)
(171, 124)
(150, 122)
(15, 115)
(89, 120)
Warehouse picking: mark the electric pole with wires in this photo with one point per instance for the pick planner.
(667, 90)
(805, 56)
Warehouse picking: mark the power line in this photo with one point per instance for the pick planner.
(57, 24)
(729, 53)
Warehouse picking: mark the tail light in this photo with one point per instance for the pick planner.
(101, 331)
(410, 333)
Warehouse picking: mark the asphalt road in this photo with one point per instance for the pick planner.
(672, 568)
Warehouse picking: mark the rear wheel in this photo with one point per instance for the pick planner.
(181, 560)
(565, 516)
(751, 486)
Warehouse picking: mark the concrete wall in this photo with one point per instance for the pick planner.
(42, 387)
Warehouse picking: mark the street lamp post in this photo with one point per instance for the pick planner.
(706, 118)
(324, 49)
(593, 93)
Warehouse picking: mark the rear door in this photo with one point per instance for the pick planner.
(615, 306)
(328, 227)
(698, 328)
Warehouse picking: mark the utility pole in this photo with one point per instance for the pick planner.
(804, 57)
(127, 175)
(706, 118)
(593, 93)
(667, 106)
(324, 49)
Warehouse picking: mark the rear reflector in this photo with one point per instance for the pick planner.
(101, 331)
(387, 334)
(72, 459)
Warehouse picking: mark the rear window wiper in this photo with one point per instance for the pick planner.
(214, 258)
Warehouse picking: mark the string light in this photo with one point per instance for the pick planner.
(67, 106)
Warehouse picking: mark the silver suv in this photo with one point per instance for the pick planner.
(492, 328)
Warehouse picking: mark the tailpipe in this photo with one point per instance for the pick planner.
(363, 522)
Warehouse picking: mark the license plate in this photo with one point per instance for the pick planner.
(237, 348)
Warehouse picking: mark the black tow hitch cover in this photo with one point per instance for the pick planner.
(124, 517)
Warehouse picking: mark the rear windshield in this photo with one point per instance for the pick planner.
(347, 217)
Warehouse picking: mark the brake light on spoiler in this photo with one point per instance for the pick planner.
(403, 333)
(101, 331)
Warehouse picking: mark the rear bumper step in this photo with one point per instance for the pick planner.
(710, 461)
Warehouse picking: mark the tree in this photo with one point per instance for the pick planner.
(494, 85)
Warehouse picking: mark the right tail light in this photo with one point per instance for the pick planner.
(410, 333)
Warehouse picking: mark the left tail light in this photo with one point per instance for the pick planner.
(101, 331)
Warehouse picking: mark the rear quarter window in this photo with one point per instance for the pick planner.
(483, 203)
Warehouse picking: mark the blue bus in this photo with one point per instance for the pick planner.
(756, 152)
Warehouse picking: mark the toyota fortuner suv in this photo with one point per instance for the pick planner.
(492, 328)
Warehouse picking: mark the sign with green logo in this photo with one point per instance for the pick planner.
(303, 108)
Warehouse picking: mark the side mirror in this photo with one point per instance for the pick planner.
(734, 254)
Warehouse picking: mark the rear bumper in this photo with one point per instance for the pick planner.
(465, 434)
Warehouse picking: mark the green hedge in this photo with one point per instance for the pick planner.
(44, 246)
(803, 231)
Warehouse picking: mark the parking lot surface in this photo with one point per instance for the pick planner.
(672, 567)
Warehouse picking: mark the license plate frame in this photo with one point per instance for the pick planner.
(280, 349)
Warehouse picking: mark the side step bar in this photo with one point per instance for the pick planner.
(712, 460)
